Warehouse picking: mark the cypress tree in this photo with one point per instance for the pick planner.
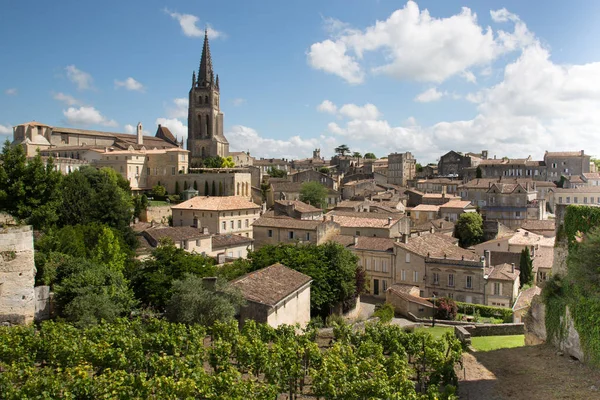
(526, 267)
(214, 189)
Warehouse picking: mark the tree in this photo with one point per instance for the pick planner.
(159, 190)
(370, 156)
(445, 308)
(29, 190)
(342, 150)
(469, 229)
(228, 162)
(526, 267)
(418, 167)
(324, 170)
(88, 292)
(274, 172)
(177, 191)
(314, 194)
(153, 279)
(108, 251)
(332, 267)
(478, 173)
(194, 301)
(213, 162)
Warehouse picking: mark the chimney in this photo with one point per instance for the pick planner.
(389, 220)
(512, 268)
(432, 230)
(355, 240)
(204, 230)
(404, 238)
(488, 258)
(140, 135)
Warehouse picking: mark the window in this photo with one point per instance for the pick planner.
(384, 284)
(568, 200)
(560, 200)
(384, 267)
(246, 223)
(592, 200)
(148, 171)
(403, 277)
(450, 295)
(291, 234)
(407, 258)
(231, 223)
(368, 264)
(585, 200)
(450, 279)
(357, 233)
(240, 224)
(307, 236)
(173, 170)
(469, 282)
(575, 199)
(518, 214)
(415, 276)
(497, 288)
(270, 233)
(376, 265)
(224, 225)
(436, 278)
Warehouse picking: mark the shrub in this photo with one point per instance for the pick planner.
(334, 319)
(446, 309)
(385, 312)
(506, 314)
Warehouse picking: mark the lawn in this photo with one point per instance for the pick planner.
(487, 343)
(437, 332)
(155, 203)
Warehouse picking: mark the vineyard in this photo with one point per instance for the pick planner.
(155, 359)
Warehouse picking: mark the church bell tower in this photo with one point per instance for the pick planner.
(205, 119)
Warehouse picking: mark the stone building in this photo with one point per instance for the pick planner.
(371, 224)
(241, 158)
(221, 215)
(512, 204)
(406, 301)
(275, 295)
(453, 163)
(17, 275)
(310, 175)
(401, 168)
(566, 163)
(521, 168)
(205, 119)
(502, 285)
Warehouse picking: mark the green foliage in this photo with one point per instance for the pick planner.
(88, 292)
(140, 203)
(385, 313)
(324, 170)
(370, 156)
(356, 155)
(332, 267)
(213, 162)
(578, 221)
(485, 311)
(488, 343)
(314, 194)
(526, 268)
(152, 280)
(478, 173)
(418, 167)
(446, 308)
(151, 358)
(29, 190)
(177, 191)
(342, 150)
(228, 162)
(195, 302)
(275, 172)
(469, 229)
(159, 190)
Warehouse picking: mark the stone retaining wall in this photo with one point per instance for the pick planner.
(158, 214)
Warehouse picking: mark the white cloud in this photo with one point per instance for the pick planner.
(176, 127)
(469, 76)
(5, 129)
(131, 129)
(11, 91)
(87, 116)
(239, 101)
(474, 97)
(327, 107)
(129, 84)
(366, 112)
(429, 95)
(66, 98)
(180, 108)
(243, 138)
(503, 15)
(415, 45)
(82, 79)
(188, 25)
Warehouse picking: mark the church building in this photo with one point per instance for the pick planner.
(205, 119)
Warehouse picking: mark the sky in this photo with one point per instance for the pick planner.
(513, 77)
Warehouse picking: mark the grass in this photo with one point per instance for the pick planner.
(487, 343)
(157, 203)
(437, 331)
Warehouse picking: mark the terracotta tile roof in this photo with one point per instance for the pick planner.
(523, 237)
(220, 241)
(410, 298)
(575, 179)
(591, 175)
(35, 123)
(374, 243)
(344, 240)
(349, 204)
(281, 186)
(363, 219)
(457, 204)
(582, 190)
(525, 297)
(440, 195)
(177, 234)
(485, 183)
(502, 272)
(354, 183)
(439, 224)
(543, 258)
(439, 181)
(216, 203)
(270, 161)
(405, 288)
(539, 225)
(166, 133)
(269, 220)
(299, 206)
(426, 208)
(271, 285)
(505, 257)
(437, 245)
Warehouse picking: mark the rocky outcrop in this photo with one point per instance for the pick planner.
(570, 343)
(535, 322)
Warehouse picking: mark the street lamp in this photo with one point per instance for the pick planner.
(433, 320)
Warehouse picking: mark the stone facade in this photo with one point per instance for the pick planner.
(453, 164)
(401, 168)
(17, 275)
(566, 163)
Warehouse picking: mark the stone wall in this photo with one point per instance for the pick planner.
(535, 322)
(158, 214)
(17, 275)
(495, 329)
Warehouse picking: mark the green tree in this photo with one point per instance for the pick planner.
(342, 150)
(526, 267)
(159, 190)
(108, 251)
(469, 229)
(418, 167)
(177, 191)
(370, 156)
(29, 190)
(265, 188)
(213, 162)
(478, 173)
(332, 267)
(206, 190)
(324, 170)
(314, 194)
(274, 172)
(195, 301)
(228, 162)
(152, 279)
(89, 292)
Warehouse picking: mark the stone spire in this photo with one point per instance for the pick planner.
(217, 84)
(193, 78)
(206, 70)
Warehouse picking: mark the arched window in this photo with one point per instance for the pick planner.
(238, 189)
(200, 125)
(203, 152)
(205, 99)
(208, 126)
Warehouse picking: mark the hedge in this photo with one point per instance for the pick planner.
(486, 311)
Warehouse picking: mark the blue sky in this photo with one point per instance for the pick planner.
(512, 77)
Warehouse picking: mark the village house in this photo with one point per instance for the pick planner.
(313, 163)
(476, 190)
(310, 175)
(424, 213)
(566, 163)
(275, 295)
(416, 197)
(585, 195)
(513, 204)
(502, 286)
(438, 185)
(401, 168)
(439, 225)
(453, 163)
(222, 215)
(241, 158)
(524, 168)
(285, 190)
(406, 301)
(370, 223)
(452, 210)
